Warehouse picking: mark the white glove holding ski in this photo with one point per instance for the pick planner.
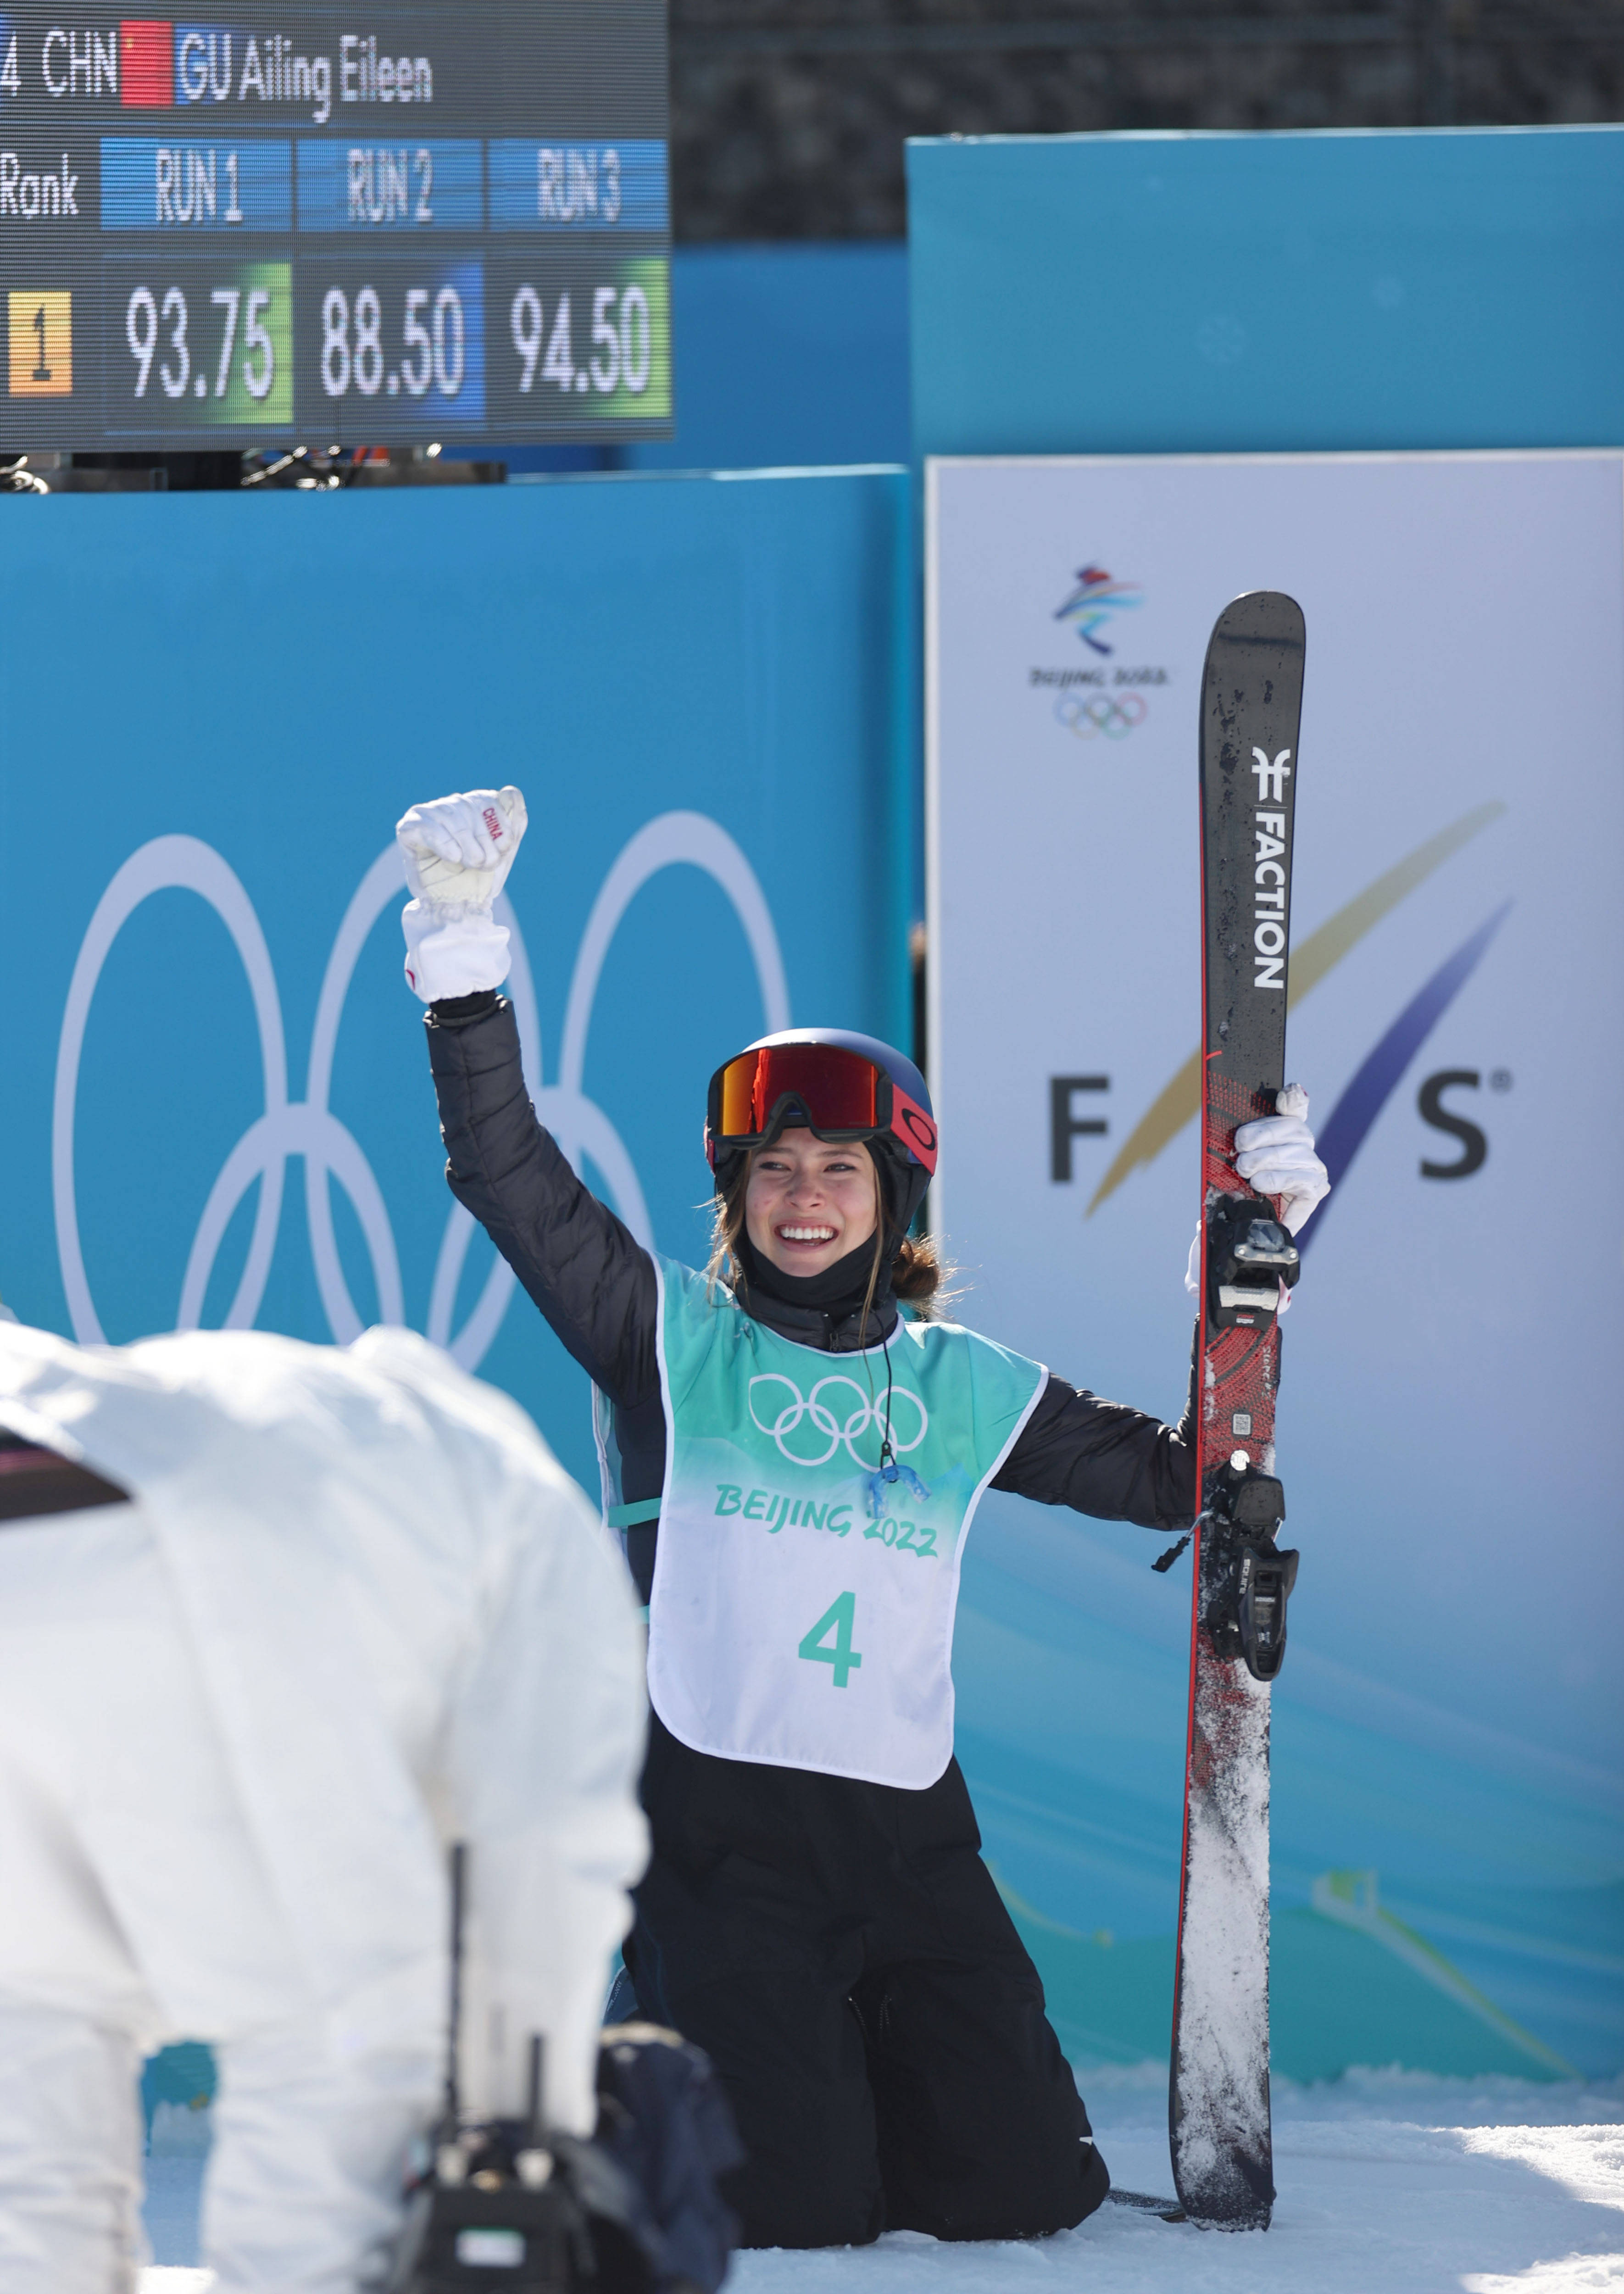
(457, 852)
(1276, 1155)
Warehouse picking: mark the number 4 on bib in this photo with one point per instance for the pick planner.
(836, 1618)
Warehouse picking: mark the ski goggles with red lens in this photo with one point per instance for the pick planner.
(837, 1094)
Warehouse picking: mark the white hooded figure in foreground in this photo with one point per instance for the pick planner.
(337, 1609)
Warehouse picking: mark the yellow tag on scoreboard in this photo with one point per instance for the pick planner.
(40, 331)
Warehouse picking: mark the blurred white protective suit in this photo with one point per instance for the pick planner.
(356, 1610)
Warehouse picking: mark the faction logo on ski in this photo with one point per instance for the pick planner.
(1270, 884)
(1379, 1073)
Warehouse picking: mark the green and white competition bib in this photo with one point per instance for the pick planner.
(803, 1597)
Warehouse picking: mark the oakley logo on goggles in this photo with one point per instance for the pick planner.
(838, 1095)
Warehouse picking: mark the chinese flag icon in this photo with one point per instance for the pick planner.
(146, 64)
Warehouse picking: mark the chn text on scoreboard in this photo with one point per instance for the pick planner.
(448, 222)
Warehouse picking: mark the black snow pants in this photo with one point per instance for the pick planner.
(840, 1951)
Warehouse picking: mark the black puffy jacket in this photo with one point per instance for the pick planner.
(595, 1287)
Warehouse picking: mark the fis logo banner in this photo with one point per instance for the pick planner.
(1451, 901)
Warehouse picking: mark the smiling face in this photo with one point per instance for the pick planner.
(806, 1203)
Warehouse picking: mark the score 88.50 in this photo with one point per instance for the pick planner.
(392, 337)
(439, 350)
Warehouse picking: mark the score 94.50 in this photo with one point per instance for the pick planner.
(200, 346)
(580, 348)
(622, 342)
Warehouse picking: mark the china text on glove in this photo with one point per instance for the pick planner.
(457, 851)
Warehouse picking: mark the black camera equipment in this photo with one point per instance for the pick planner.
(510, 2203)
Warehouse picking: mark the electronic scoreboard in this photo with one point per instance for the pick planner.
(447, 222)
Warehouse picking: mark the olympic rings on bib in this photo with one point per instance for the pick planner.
(1114, 715)
(868, 1414)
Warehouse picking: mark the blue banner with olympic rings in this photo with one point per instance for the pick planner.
(220, 1111)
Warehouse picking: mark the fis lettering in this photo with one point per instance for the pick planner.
(1270, 884)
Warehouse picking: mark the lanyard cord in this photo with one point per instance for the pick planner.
(887, 1456)
(887, 1467)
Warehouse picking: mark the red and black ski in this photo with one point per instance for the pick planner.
(1251, 697)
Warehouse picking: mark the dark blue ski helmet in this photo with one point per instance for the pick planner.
(840, 1086)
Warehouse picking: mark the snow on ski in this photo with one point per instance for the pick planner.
(1218, 2104)
(1147, 2203)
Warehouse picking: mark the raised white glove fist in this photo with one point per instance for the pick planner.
(1276, 1155)
(457, 852)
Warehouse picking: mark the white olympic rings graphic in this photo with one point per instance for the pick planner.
(1114, 714)
(309, 1128)
(869, 1412)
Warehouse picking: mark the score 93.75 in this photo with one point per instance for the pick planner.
(195, 345)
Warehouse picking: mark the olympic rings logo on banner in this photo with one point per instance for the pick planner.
(869, 1413)
(308, 1127)
(1114, 715)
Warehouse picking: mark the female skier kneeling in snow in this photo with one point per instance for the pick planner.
(815, 1914)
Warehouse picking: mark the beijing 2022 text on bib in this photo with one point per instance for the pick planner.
(803, 1597)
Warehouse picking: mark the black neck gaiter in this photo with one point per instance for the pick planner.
(838, 1291)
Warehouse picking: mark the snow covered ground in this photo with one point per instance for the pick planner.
(1390, 2183)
